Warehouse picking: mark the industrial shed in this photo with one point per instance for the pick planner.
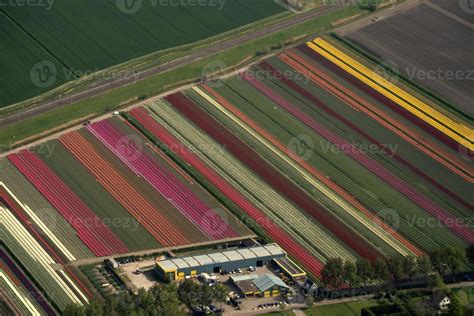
(179, 268)
(266, 285)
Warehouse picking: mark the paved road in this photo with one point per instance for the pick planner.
(199, 54)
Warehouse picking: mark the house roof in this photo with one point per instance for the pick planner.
(267, 281)
(438, 297)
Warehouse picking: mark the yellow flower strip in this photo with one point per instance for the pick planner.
(457, 131)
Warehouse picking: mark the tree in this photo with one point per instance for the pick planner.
(220, 294)
(381, 270)
(188, 293)
(168, 302)
(470, 253)
(74, 310)
(364, 270)
(438, 261)
(332, 272)
(349, 273)
(455, 258)
(409, 267)
(395, 268)
(160, 300)
(456, 308)
(424, 265)
(435, 282)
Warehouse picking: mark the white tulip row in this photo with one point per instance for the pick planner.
(41, 225)
(38, 254)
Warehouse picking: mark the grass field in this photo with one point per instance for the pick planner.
(346, 309)
(83, 37)
(154, 85)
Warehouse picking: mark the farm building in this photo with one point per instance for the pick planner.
(266, 285)
(290, 268)
(178, 268)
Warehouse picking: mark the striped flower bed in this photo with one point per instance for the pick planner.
(431, 149)
(56, 283)
(164, 182)
(459, 132)
(466, 233)
(97, 236)
(275, 232)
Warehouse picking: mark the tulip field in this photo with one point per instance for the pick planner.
(308, 148)
(336, 161)
(96, 192)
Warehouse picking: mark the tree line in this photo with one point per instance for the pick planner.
(338, 273)
(160, 300)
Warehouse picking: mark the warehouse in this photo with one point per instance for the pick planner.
(179, 268)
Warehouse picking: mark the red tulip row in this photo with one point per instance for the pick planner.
(275, 232)
(100, 240)
(140, 161)
(463, 231)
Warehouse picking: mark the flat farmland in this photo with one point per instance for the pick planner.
(446, 65)
(455, 8)
(86, 36)
(19, 53)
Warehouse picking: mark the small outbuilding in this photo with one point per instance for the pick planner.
(270, 285)
(251, 285)
(441, 301)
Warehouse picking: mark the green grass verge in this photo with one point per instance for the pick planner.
(346, 309)
(25, 130)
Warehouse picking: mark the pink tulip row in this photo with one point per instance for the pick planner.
(141, 162)
(99, 238)
(464, 232)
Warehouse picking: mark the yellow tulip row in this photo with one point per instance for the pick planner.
(456, 130)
